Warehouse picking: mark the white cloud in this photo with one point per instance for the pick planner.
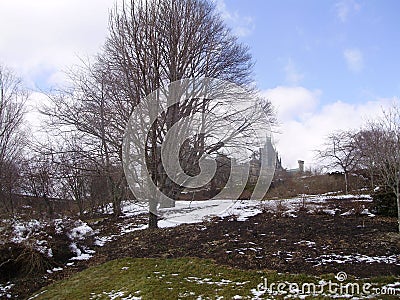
(293, 76)
(242, 25)
(292, 103)
(39, 38)
(354, 59)
(305, 122)
(345, 7)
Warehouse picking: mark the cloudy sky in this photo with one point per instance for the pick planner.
(326, 65)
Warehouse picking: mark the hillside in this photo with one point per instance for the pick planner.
(315, 235)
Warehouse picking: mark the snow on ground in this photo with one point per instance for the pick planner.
(355, 258)
(197, 211)
(102, 240)
(37, 234)
(367, 212)
(187, 212)
(116, 295)
(80, 255)
(4, 288)
(23, 230)
(33, 232)
(81, 231)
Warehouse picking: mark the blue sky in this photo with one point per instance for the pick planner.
(348, 49)
(325, 65)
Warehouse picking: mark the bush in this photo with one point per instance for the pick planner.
(385, 202)
(17, 260)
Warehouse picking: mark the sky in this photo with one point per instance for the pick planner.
(325, 65)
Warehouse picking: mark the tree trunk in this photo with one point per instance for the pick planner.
(153, 217)
(153, 221)
(398, 205)
(167, 203)
(11, 203)
(346, 181)
(49, 205)
(168, 190)
(372, 180)
(117, 207)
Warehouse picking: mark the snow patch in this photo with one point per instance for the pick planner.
(356, 258)
(5, 288)
(81, 231)
(79, 254)
(367, 213)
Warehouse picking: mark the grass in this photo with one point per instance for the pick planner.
(183, 278)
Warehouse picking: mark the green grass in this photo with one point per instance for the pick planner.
(183, 278)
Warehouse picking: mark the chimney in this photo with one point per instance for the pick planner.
(301, 165)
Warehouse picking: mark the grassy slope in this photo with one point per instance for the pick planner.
(167, 279)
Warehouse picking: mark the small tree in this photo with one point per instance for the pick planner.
(340, 151)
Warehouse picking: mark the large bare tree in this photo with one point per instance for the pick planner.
(155, 43)
(152, 44)
(12, 138)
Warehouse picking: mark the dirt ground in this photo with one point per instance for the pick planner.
(310, 243)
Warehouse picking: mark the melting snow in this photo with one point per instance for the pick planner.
(186, 212)
(80, 231)
(306, 243)
(4, 288)
(102, 240)
(367, 212)
(115, 295)
(210, 281)
(356, 258)
(331, 212)
(79, 254)
(348, 213)
(23, 231)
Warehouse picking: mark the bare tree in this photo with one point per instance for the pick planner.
(340, 151)
(383, 150)
(12, 138)
(150, 45)
(153, 44)
(40, 180)
(85, 108)
(74, 171)
(364, 140)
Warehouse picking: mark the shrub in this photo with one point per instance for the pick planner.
(384, 202)
(17, 260)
